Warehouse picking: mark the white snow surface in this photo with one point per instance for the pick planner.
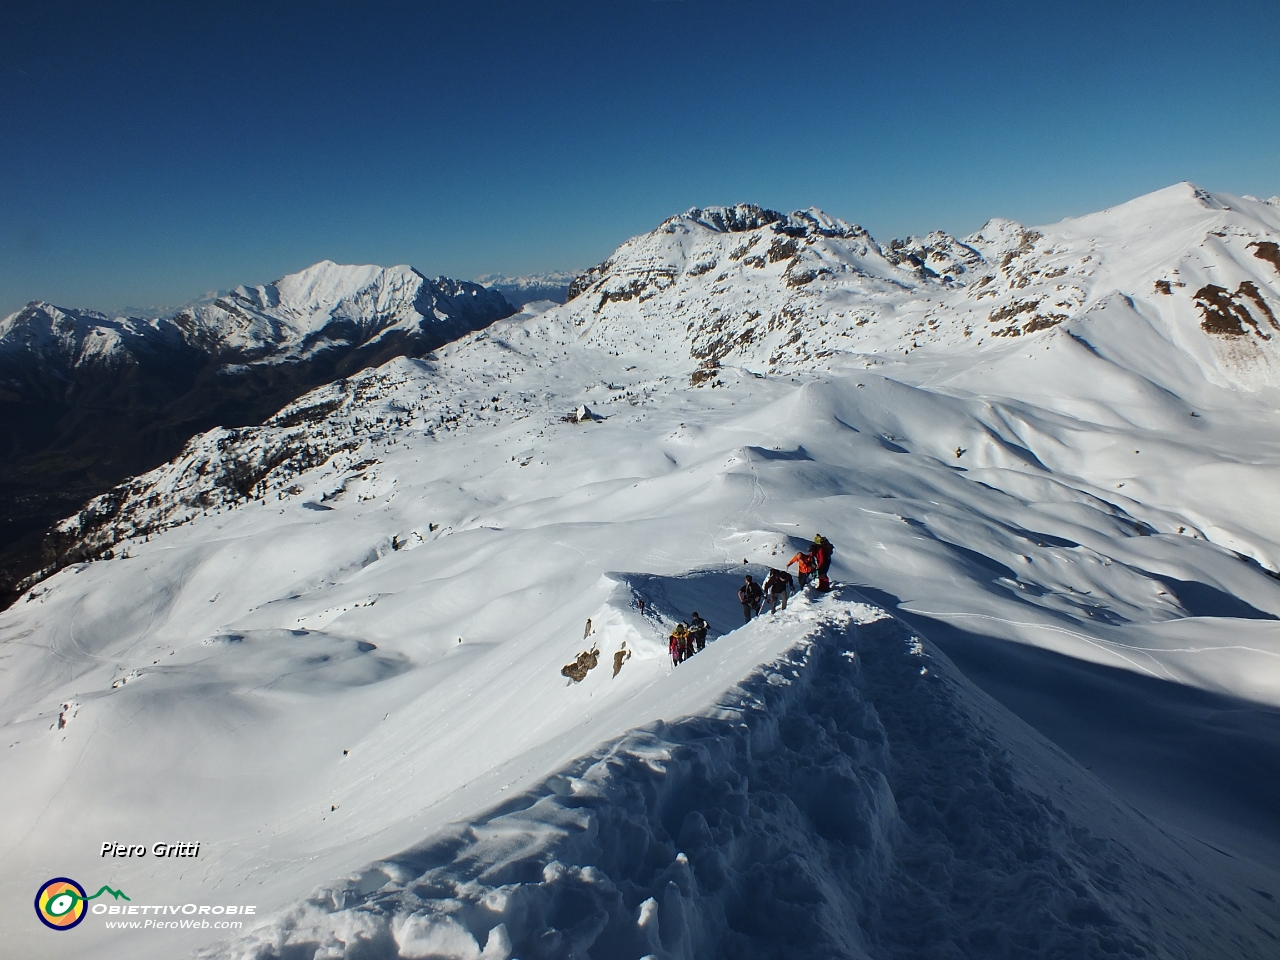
(353, 670)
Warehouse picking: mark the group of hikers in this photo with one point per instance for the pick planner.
(688, 639)
(777, 585)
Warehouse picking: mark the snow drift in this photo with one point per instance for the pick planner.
(854, 797)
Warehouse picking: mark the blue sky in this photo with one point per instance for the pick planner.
(152, 152)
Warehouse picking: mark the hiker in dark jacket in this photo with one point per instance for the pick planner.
(698, 630)
(776, 587)
(750, 596)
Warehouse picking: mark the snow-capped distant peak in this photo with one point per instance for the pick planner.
(997, 230)
(327, 306)
(42, 332)
(341, 304)
(528, 279)
(552, 285)
(328, 283)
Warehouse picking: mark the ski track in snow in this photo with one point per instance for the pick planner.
(355, 671)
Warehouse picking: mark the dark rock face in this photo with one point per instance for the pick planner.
(936, 256)
(87, 400)
(1227, 314)
(587, 280)
(739, 218)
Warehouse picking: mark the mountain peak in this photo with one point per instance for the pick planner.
(1178, 203)
(745, 217)
(326, 283)
(738, 218)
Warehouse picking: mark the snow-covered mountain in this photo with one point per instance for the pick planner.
(42, 336)
(1175, 285)
(336, 648)
(96, 398)
(753, 285)
(327, 306)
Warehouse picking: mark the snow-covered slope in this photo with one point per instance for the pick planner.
(854, 796)
(324, 640)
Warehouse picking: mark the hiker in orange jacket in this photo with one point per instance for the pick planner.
(804, 567)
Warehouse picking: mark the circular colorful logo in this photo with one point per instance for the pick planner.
(60, 904)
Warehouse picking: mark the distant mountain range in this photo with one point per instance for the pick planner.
(533, 287)
(90, 399)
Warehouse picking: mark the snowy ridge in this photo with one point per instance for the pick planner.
(808, 811)
(331, 303)
(757, 286)
(41, 333)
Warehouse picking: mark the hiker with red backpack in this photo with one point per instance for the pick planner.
(821, 553)
(679, 645)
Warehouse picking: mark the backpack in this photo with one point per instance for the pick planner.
(822, 550)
